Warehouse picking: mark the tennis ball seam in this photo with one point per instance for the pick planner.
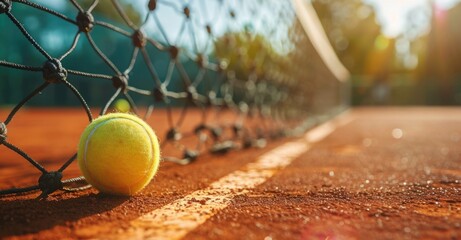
(92, 132)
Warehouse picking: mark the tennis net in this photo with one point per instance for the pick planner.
(249, 71)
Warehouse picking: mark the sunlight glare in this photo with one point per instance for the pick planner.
(394, 14)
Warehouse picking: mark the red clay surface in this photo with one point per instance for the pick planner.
(392, 173)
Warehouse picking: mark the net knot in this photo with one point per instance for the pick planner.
(208, 29)
(228, 101)
(222, 66)
(190, 155)
(3, 132)
(49, 182)
(247, 142)
(192, 93)
(174, 52)
(216, 132)
(85, 21)
(53, 72)
(201, 60)
(139, 39)
(186, 12)
(237, 129)
(243, 107)
(173, 135)
(210, 99)
(120, 81)
(200, 128)
(159, 94)
(152, 5)
(223, 147)
(5, 6)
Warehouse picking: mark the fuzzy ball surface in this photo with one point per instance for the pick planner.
(118, 154)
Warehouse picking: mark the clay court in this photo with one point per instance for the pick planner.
(371, 173)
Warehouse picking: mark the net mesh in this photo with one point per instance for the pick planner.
(247, 67)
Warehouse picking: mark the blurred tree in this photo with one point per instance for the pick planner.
(106, 8)
(353, 32)
(440, 68)
(244, 53)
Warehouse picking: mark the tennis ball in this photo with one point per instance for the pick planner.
(118, 154)
(122, 105)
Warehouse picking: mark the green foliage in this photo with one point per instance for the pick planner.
(244, 53)
(351, 28)
(106, 8)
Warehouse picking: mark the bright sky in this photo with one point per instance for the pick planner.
(392, 14)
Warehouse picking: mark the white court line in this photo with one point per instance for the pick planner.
(175, 220)
(320, 132)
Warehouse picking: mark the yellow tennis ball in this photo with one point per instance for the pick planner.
(122, 105)
(118, 154)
